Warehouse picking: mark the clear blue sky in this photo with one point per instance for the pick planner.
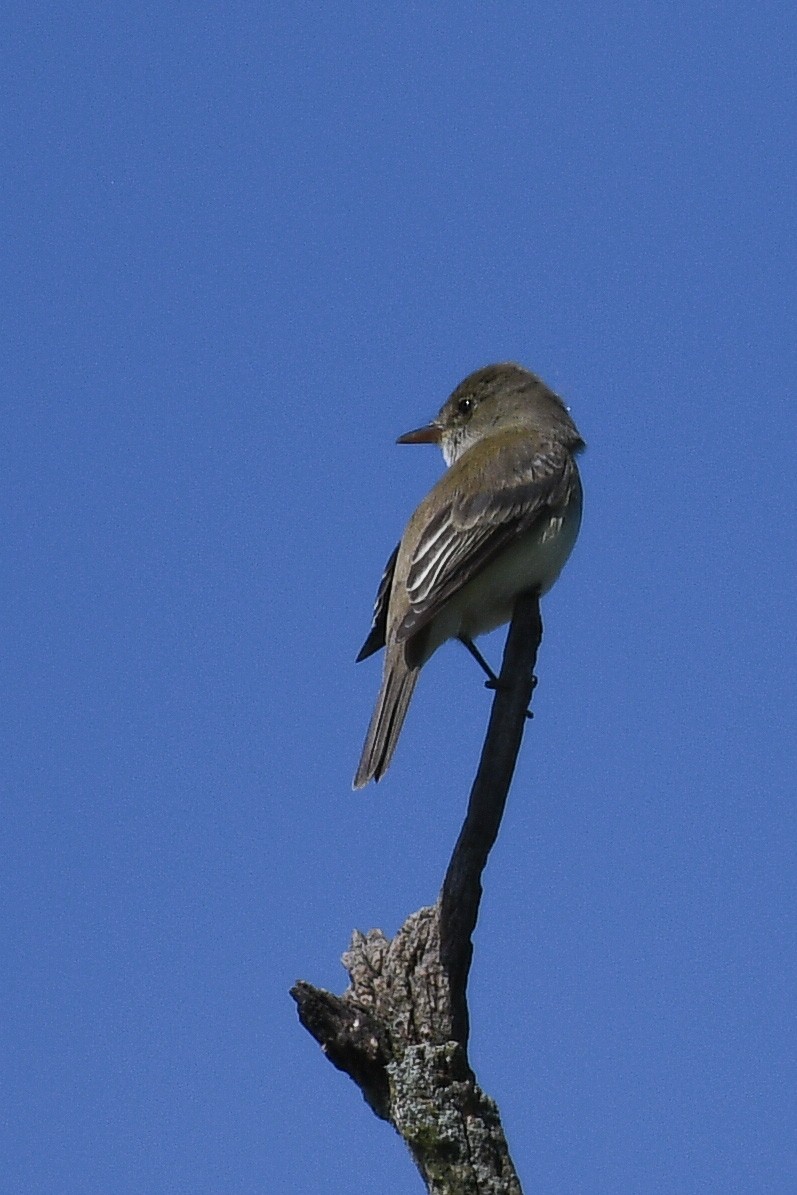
(246, 246)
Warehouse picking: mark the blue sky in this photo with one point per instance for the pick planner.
(247, 245)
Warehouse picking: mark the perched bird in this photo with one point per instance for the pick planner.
(501, 520)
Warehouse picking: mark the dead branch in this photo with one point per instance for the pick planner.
(400, 1030)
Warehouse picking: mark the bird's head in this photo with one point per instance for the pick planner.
(495, 399)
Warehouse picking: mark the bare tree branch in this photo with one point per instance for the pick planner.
(400, 1030)
(462, 889)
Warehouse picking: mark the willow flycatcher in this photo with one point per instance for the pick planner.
(501, 520)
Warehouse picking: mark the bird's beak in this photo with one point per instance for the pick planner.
(422, 435)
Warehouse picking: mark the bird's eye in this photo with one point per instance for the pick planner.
(465, 406)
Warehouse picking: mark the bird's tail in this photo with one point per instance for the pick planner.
(398, 683)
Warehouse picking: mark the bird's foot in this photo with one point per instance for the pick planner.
(495, 683)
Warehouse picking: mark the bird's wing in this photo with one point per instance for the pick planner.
(376, 635)
(517, 487)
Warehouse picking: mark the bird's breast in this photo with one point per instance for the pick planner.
(533, 561)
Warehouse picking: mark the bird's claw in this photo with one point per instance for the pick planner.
(495, 683)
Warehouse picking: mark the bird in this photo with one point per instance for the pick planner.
(500, 521)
